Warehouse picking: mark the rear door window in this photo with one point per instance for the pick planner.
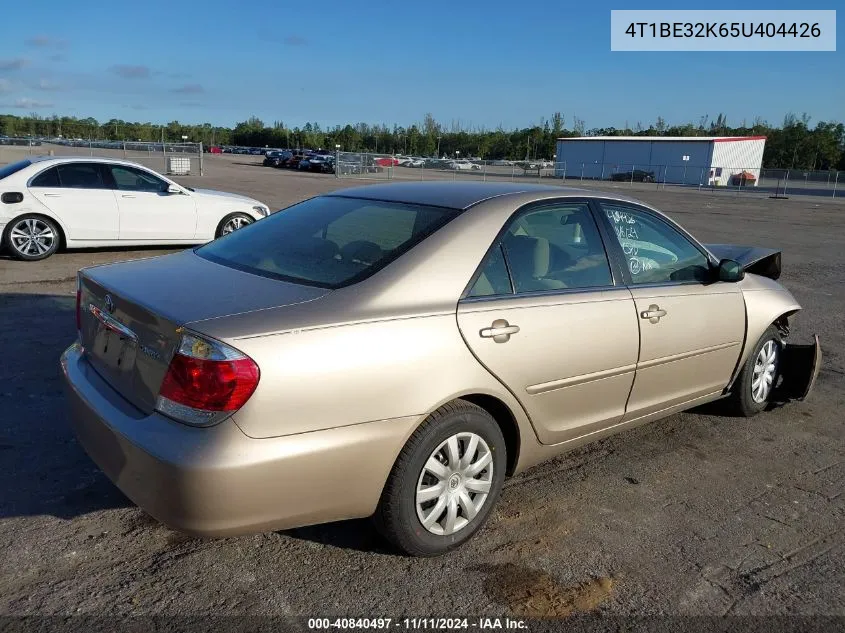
(81, 176)
(47, 178)
(556, 246)
(494, 279)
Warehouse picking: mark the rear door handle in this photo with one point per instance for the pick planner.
(500, 331)
(52, 195)
(126, 195)
(653, 313)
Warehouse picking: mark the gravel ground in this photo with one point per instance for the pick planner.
(697, 514)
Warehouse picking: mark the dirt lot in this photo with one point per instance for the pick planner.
(696, 514)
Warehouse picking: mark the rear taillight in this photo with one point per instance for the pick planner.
(206, 381)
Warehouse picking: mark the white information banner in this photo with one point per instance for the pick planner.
(722, 30)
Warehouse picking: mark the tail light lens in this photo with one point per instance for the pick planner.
(206, 381)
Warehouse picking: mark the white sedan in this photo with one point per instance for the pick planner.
(90, 202)
(461, 165)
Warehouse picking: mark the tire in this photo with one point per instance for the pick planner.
(399, 518)
(18, 232)
(745, 395)
(226, 224)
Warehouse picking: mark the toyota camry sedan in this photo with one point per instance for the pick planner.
(89, 202)
(397, 351)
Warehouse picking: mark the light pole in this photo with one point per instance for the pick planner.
(457, 154)
(337, 160)
(438, 145)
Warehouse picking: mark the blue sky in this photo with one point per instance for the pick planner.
(480, 63)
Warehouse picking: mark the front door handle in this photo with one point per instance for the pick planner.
(500, 331)
(653, 313)
(126, 195)
(52, 195)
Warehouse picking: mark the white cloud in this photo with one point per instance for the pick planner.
(25, 103)
(46, 41)
(13, 64)
(131, 72)
(48, 86)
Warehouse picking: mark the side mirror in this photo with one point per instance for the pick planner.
(731, 271)
(173, 189)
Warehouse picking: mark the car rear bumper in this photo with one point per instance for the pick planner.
(217, 481)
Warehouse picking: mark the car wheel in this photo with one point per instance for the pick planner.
(32, 237)
(758, 377)
(445, 481)
(232, 223)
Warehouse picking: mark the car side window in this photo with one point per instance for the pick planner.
(81, 176)
(494, 279)
(47, 178)
(655, 252)
(130, 179)
(556, 247)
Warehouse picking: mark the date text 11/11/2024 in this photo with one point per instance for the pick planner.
(417, 624)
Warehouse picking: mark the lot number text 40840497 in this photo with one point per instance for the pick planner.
(419, 624)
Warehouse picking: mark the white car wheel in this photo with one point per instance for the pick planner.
(32, 237)
(232, 223)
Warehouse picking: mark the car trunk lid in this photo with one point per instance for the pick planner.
(131, 314)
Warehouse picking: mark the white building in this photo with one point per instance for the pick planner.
(705, 160)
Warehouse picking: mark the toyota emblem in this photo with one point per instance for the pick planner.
(109, 304)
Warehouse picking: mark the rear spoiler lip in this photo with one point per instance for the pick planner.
(753, 259)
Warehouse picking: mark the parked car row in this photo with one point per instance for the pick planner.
(134, 146)
(26, 142)
(469, 164)
(362, 162)
(323, 161)
(320, 161)
(252, 151)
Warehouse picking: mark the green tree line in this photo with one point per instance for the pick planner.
(794, 144)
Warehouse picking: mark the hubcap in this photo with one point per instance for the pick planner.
(765, 369)
(32, 237)
(235, 223)
(454, 483)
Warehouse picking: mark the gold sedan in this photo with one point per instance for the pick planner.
(397, 350)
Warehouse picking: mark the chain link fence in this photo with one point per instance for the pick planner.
(176, 159)
(777, 182)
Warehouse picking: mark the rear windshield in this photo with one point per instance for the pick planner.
(8, 170)
(327, 241)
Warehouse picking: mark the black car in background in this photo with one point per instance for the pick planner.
(276, 158)
(293, 161)
(321, 163)
(636, 175)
